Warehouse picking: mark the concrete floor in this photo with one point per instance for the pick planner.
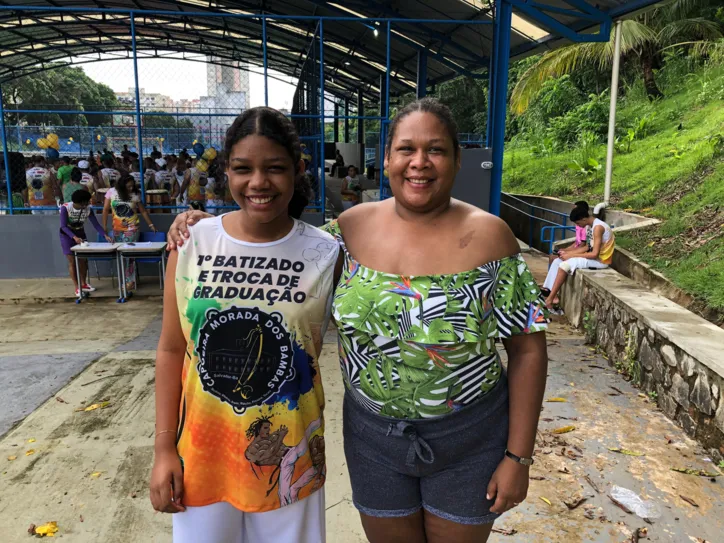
(51, 372)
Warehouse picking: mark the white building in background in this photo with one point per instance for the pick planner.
(227, 95)
(151, 101)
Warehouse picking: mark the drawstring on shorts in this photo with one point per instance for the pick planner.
(418, 446)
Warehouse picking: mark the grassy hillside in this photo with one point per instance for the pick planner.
(674, 171)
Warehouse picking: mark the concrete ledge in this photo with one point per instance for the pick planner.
(677, 353)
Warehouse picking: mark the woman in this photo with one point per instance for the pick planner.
(41, 187)
(75, 182)
(124, 203)
(438, 438)
(598, 256)
(351, 188)
(215, 188)
(73, 215)
(239, 427)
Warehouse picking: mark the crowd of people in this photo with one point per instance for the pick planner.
(173, 180)
(71, 187)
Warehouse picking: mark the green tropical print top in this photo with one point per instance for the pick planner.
(424, 346)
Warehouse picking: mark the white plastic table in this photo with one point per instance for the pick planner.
(141, 249)
(90, 250)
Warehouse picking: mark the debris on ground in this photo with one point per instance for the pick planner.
(505, 531)
(631, 502)
(95, 406)
(574, 501)
(688, 500)
(699, 472)
(49, 529)
(625, 451)
(563, 430)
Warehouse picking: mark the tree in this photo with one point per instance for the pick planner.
(642, 40)
(62, 87)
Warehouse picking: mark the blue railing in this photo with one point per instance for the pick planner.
(552, 227)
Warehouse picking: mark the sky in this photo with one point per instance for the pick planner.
(183, 79)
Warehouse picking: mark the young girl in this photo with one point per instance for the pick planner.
(596, 256)
(73, 215)
(239, 426)
(124, 202)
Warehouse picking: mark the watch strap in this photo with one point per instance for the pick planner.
(516, 458)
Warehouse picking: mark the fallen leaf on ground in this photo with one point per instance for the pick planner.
(563, 430)
(81, 518)
(560, 400)
(11, 458)
(31, 529)
(31, 451)
(625, 451)
(505, 531)
(698, 539)
(537, 478)
(48, 529)
(593, 485)
(59, 399)
(590, 514)
(688, 500)
(546, 500)
(699, 472)
(31, 440)
(574, 501)
(95, 406)
(96, 474)
(563, 469)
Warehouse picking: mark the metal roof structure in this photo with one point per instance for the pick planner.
(225, 31)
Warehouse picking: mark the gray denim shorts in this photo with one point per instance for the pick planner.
(443, 465)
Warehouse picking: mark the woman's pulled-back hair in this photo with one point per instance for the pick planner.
(426, 105)
(272, 124)
(579, 213)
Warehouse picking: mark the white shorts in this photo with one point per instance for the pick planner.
(300, 522)
(570, 266)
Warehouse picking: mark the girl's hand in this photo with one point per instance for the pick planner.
(179, 231)
(109, 239)
(152, 227)
(77, 240)
(167, 482)
(508, 486)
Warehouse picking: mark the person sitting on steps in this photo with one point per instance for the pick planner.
(599, 256)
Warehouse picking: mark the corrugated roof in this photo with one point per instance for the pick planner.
(355, 55)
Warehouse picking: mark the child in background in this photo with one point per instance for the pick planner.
(351, 188)
(73, 184)
(124, 202)
(73, 215)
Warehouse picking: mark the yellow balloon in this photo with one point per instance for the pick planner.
(55, 146)
(43, 143)
(202, 165)
(70, 139)
(162, 139)
(209, 154)
(98, 137)
(52, 138)
(27, 141)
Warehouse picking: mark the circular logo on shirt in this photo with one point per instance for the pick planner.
(123, 210)
(37, 184)
(245, 356)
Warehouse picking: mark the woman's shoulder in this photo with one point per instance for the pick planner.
(491, 236)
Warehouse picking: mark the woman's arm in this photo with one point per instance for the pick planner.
(146, 217)
(94, 221)
(106, 211)
(527, 367)
(597, 244)
(167, 475)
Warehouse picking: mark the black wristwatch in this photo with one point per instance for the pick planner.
(516, 458)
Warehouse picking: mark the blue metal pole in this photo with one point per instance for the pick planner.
(322, 184)
(266, 63)
(138, 111)
(20, 137)
(421, 74)
(387, 75)
(491, 89)
(6, 157)
(504, 15)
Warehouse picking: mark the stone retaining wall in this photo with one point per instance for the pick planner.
(632, 324)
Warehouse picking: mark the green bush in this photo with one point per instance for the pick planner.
(556, 98)
(589, 117)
